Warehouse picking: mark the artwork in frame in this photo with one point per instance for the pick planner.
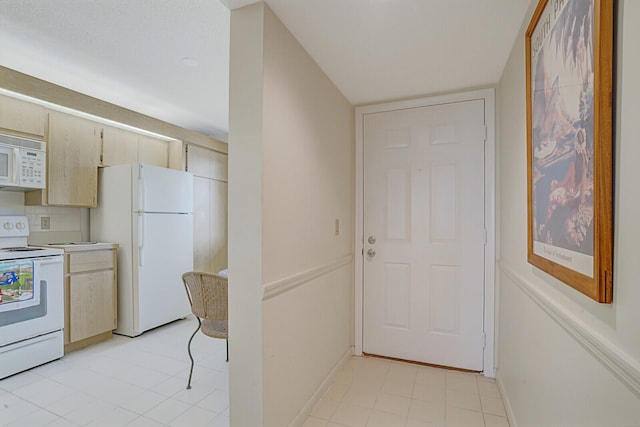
(569, 77)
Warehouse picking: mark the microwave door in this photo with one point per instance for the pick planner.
(9, 160)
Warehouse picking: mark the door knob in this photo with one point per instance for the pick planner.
(371, 240)
(371, 253)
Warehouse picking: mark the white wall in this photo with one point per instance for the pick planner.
(564, 359)
(295, 132)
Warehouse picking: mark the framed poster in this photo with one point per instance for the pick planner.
(569, 67)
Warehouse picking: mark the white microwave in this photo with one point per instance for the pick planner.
(22, 163)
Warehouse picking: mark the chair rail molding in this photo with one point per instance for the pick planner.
(288, 283)
(617, 361)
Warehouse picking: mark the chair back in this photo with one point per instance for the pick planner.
(208, 294)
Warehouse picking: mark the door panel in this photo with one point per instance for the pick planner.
(202, 259)
(424, 210)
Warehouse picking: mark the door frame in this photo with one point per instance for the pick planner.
(488, 95)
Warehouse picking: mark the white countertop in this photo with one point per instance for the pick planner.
(82, 246)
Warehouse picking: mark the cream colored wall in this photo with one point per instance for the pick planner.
(245, 217)
(308, 160)
(564, 359)
(291, 175)
(308, 183)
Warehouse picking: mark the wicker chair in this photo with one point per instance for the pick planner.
(207, 293)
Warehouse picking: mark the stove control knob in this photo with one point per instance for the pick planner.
(20, 225)
(8, 226)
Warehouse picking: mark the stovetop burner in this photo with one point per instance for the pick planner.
(21, 249)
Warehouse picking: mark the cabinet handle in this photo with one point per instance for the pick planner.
(54, 260)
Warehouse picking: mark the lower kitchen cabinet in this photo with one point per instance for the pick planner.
(90, 294)
(91, 304)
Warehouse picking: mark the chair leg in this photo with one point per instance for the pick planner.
(227, 350)
(189, 350)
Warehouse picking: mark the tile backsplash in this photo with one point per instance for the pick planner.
(60, 219)
(65, 224)
(11, 203)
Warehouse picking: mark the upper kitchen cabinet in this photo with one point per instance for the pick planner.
(121, 146)
(73, 156)
(22, 118)
(206, 163)
(152, 151)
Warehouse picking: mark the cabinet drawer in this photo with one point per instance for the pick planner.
(90, 260)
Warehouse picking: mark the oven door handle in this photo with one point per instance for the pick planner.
(53, 260)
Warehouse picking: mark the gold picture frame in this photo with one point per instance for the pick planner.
(569, 78)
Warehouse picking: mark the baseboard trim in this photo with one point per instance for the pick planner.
(617, 361)
(505, 400)
(300, 419)
(288, 283)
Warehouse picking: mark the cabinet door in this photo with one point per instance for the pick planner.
(177, 155)
(153, 151)
(206, 163)
(198, 162)
(22, 117)
(209, 224)
(218, 163)
(210, 208)
(218, 225)
(119, 147)
(73, 156)
(202, 260)
(91, 301)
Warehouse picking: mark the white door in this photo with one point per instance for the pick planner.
(424, 219)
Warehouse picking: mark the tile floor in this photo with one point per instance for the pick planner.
(373, 392)
(140, 382)
(137, 382)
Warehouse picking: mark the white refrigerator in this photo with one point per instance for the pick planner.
(148, 211)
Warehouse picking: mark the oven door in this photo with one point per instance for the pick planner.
(9, 159)
(32, 298)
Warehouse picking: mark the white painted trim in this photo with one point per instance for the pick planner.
(300, 419)
(490, 225)
(359, 235)
(284, 285)
(616, 360)
(505, 400)
(488, 95)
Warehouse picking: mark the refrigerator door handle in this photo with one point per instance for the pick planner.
(140, 240)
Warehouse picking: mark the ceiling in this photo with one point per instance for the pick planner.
(169, 59)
